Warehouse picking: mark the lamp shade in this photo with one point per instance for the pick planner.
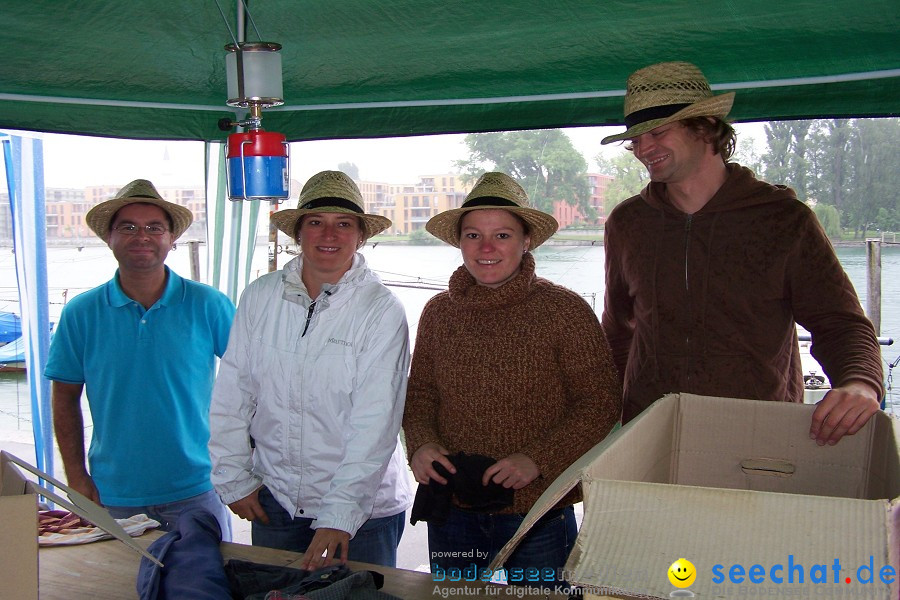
(261, 74)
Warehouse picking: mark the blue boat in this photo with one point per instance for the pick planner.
(10, 327)
(12, 355)
(12, 342)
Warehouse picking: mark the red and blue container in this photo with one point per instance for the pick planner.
(258, 166)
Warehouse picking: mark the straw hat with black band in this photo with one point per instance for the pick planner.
(330, 192)
(494, 191)
(667, 92)
(139, 191)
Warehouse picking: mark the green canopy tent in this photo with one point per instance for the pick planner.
(358, 68)
(155, 69)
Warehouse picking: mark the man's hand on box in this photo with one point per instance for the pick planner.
(843, 411)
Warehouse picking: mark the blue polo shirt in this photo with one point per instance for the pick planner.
(148, 375)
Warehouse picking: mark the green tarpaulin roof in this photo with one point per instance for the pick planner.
(360, 68)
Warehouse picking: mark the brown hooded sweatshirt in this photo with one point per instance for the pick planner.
(707, 303)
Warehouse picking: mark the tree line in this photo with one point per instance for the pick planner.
(848, 170)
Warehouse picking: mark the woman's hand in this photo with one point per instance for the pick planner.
(249, 508)
(515, 471)
(323, 549)
(421, 463)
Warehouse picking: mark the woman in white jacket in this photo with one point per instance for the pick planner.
(309, 398)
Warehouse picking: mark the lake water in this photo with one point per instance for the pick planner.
(415, 273)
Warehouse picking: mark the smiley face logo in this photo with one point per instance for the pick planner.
(682, 573)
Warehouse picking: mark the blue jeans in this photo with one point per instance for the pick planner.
(167, 514)
(469, 541)
(375, 542)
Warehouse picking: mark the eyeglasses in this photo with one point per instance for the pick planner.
(132, 229)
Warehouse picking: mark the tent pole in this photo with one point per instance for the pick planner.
(24, 160)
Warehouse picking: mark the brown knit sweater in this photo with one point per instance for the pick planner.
(520, 368)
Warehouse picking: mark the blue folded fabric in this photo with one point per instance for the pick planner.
(193, 562)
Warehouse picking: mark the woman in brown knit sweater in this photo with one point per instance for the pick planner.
(509, 366)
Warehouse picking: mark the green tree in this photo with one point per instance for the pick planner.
(850, 164)
(875, 167)
(828, 160)
(800, 157)
(544, 162)
(888, 220)
(420, 237)
(777, 158)
(788, 159)
(746, 155)
(350, 169)
(830, 219)
(629, 178)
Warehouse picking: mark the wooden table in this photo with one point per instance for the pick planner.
(108, 570)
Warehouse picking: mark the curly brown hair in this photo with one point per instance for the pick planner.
(714, 131)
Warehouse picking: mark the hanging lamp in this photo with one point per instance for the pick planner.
(257, 161)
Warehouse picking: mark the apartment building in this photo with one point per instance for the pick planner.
(6, 231)
(566, 214)
(598, 184)
(192, 198)
(409, 206)
(66, 208)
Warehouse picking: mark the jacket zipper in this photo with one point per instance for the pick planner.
(687, 289)
(309, 314)
(687, 244)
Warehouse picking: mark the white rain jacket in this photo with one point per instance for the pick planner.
(323, 409)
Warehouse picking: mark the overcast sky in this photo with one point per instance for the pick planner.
(79, 161)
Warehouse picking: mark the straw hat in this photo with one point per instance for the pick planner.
(668, 92)
(138, 191)
(493, 191)
(330, 192)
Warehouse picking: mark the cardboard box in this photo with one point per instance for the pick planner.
(18, 534)
(19, 525)
(738, 489)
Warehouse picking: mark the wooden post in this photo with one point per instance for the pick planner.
(273, 238)
(873, 280)
(194, 245)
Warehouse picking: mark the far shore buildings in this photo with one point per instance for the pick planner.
(408, 206)
(65, 209)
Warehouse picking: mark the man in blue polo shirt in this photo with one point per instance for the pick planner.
(143, 345)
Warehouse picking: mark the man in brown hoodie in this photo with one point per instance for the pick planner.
(708, 270)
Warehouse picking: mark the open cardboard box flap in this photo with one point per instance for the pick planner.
(725, 482)
(13, 483)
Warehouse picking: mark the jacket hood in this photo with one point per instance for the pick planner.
(740, 190)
